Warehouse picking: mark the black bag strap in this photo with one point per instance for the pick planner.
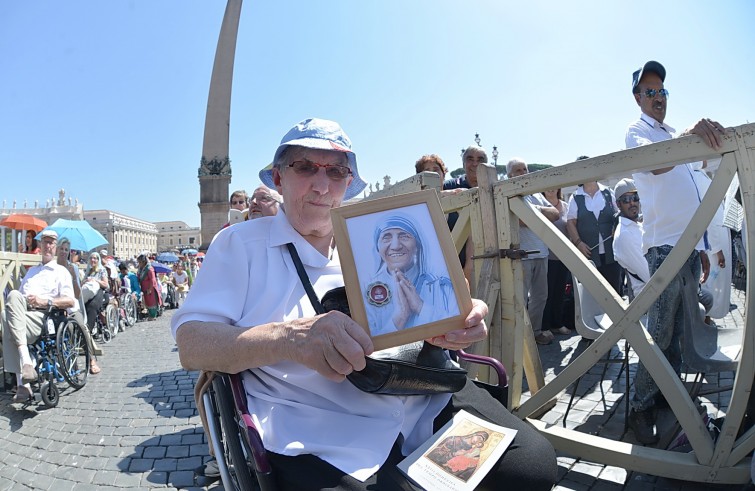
(305, 279)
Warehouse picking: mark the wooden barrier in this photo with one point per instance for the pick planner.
(490, 214)
(13, 267)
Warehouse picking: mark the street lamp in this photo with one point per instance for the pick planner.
(476, 140)
(495, 155)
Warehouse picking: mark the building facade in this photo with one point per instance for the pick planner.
(127, 236)
(176, 236)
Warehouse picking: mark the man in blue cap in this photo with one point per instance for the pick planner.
(670, 198)
(248, 313)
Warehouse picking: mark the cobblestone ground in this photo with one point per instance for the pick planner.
(135, 426)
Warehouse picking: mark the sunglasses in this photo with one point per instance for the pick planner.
(652, 93)
(635, 198)
(308, 169)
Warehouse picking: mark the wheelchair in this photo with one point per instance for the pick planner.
(127, 309)
(106, 322)
(237, 444)
(171, 298)
(60, 354)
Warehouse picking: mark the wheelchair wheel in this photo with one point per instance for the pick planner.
(50, 394)
(111, 314)
(73, 354)
(233, 453)
(129, 306)
(106, 333)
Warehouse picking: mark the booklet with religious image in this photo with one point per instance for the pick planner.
(459, 455)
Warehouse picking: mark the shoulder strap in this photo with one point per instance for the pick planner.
(305, 279)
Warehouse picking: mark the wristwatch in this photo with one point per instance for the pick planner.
(49, 303)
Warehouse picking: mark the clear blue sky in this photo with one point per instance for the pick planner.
(107, 99)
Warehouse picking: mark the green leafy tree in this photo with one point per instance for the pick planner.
(457, 172)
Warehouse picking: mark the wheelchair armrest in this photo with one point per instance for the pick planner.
(259, 454)
(503, 379)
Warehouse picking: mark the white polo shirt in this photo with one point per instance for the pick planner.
(248, 279)
(668, 200)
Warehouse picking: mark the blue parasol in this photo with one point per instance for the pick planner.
(161, 268)
(82, 235)
(167, 257)
(189, 252)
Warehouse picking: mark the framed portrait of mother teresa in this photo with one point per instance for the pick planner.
(403, 278)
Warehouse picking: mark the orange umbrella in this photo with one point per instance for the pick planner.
(22, 221)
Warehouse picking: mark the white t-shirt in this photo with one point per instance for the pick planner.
(180, 278)
(248, 279)
(627, 250)
(669, 200)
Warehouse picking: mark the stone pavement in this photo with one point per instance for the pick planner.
(135, 426)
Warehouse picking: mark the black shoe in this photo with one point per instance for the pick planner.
(208, 471)
(643, 425)
(660, 401)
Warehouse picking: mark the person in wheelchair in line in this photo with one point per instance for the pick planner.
(63, 256)
(130, 276)
(45, 285)
(94, 290)
(294, 363)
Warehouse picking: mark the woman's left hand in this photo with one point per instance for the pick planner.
(474, 330)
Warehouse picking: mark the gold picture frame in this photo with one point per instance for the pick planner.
(394, 251)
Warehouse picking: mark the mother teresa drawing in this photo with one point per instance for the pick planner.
(404, 292)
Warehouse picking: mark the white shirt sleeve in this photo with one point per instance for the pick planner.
(571, 213)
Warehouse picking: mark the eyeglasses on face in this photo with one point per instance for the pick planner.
(653, 92)
(264, 199)
(308, 168)
(635, 198)
(234, 202)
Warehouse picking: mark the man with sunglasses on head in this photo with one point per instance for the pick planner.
(627, 239)
(319, 430)
(670, 199)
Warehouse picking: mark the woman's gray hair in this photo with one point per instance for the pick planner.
(511, 163)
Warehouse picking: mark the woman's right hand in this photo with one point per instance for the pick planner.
(333, 345)
(584, 249)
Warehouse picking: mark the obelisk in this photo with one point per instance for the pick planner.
(215, 165)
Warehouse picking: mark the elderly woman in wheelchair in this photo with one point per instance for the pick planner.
(248, 314)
